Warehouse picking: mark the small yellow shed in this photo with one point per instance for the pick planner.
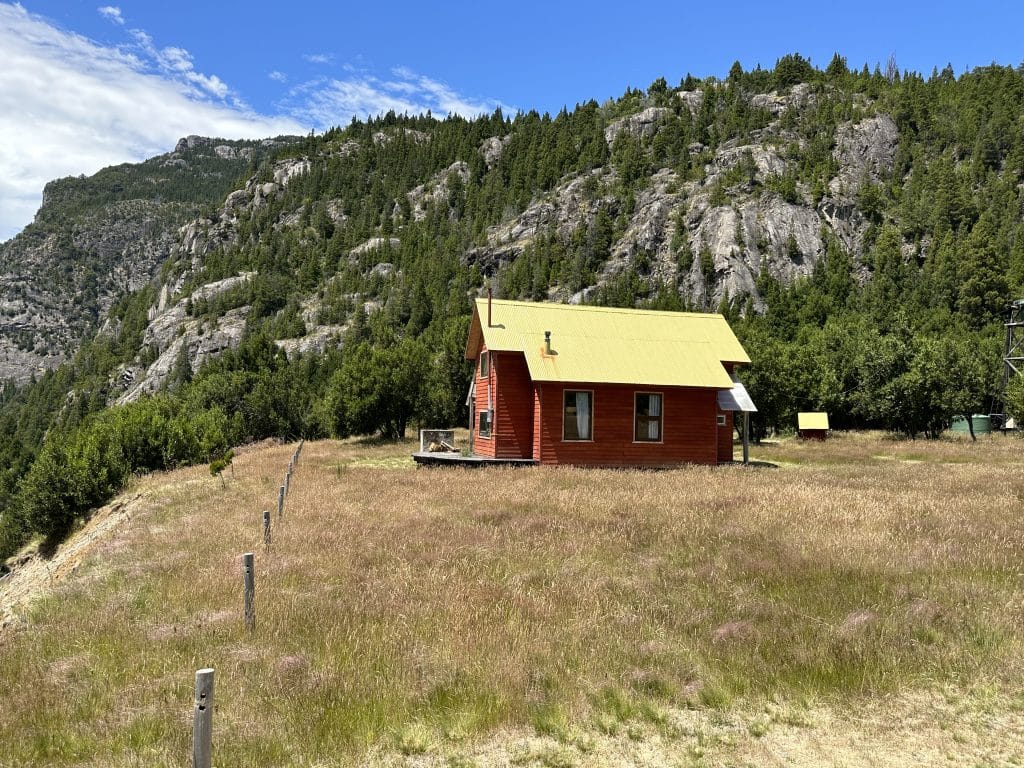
(812, 425)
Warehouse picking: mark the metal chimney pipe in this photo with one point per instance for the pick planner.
(547, 342)
(489, 292)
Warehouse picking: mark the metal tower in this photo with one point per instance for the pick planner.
(1013, 360)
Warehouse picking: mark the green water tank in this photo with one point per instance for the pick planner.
(982, 424)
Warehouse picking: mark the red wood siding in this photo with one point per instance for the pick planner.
(483, 446)
(689, 428)
(536, 422)
(511, 389)
(513, 407)
(725, 438)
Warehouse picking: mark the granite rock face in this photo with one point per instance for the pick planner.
(643, 123)
(57, 283)
(708, 231)
(437, 188)
(492, 149)
(864, 151)
(171, 330)
(176, 337)
(95, 239)
(729, 243)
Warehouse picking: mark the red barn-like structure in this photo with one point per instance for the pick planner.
(599, 386)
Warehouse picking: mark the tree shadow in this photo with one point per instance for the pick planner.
(48, 546)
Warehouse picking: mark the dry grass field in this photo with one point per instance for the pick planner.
(857, 602)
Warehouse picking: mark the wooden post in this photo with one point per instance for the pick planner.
(746, 437)
(266, 529)
(280, 502)
(287, 482)
(202, 720)
(249, 579)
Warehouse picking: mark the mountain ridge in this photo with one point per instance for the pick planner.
(767, 224)
(97, 238)
(861, 232)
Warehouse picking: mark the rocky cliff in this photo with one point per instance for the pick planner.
(741, 228)
(95, 239)
(173, 333)
(709, 232)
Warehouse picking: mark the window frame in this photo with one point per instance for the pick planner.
(590, 439)
(485, 364)
(482, 416)
(661, 419)
(722, 420)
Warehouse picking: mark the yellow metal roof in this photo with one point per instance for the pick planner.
(812, 421)
(604, 345)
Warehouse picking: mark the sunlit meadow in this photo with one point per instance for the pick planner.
(543, 616)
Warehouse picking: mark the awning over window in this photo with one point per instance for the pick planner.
(472, 391)
(736, 399)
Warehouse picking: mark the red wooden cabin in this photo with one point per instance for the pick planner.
(598, 386)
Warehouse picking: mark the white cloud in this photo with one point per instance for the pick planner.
(176, 59)
(111, 12)
(71, 106)
(329, 101)
(318, 58)
(448, 101)
(279, 77)
(177, 62)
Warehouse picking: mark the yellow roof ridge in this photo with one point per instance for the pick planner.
(594, 308)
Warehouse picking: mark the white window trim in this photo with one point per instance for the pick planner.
(490, 431)
(591, 438)
(722, 420)
(661, 431)
(490, 394)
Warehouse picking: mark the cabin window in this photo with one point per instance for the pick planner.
(721, 419)
(647, 421)
(577, 415)
(485, 423)
(485, 364)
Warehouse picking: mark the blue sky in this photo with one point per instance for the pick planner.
(88, 84)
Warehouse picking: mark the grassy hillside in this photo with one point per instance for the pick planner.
(860, 230)
(860, 600)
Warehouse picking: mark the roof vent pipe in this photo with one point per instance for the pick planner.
(489, 306)
(547, 342)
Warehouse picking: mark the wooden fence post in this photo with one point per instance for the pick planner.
(266, 529)
(746, 438)
(280, 502)
(249, 579)
(287, 482)
(202, 720)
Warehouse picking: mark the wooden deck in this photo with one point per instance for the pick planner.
(428, 459)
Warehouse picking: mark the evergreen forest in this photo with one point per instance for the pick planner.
(395, 224)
